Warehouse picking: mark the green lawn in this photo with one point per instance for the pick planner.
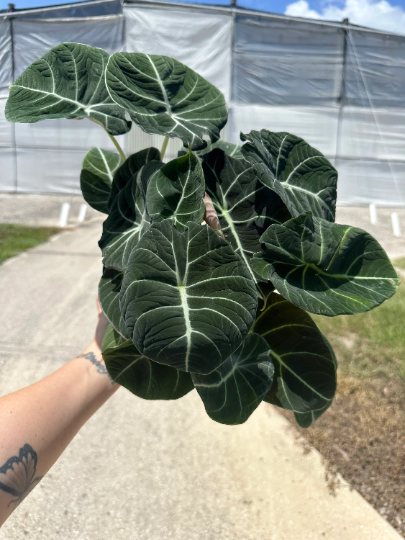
(17, 238)
(399, 263)
(370, 344)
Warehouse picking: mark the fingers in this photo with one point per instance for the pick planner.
(99, 310)
(211, 218)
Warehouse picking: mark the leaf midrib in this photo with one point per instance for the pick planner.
(229, 220)
(86, 108)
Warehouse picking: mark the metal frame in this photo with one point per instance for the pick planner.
(14, 142)
(342, 93)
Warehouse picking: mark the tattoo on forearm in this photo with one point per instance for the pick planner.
(99, 365)
(17, 475)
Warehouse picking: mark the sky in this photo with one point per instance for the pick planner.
(380, 14)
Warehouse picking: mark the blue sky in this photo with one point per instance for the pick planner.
(276, 6)
(386, 15)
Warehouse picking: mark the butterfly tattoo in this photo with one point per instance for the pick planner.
(17, 475)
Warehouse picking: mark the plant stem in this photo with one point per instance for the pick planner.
(164, 146)
(114, 140)
(117, 146)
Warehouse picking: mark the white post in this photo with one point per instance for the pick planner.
(373, 214)
(396, 229)
(64, 214)
(82, 213)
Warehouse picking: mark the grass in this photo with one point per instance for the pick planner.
(17, 238)
(399, 263)
(370, 344)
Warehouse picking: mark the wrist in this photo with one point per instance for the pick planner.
(93, 363)
(96, 348)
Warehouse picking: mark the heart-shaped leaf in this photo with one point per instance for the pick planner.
(235, 389)
(67, 82)
(128, 219)
(165, 97)
(96, 177)
(230, 149)
(326, 268)
(109, 297)
(187, 298)
(176, 191)
(245, 207)
(305, 366)
(301, 175)
(141, 376)
(130, 168)
(305, 420)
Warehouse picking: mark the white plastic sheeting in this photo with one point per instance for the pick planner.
(34, 37)
(338, 86)
(5, 56)
(284, 62)
(362, 182)
(371, 146)
(317, 125)
(367, 147)
(7, 150)
(202, 42)
(375, 72)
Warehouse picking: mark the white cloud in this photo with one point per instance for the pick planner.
(381, 14)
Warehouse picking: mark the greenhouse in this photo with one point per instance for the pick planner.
(337, 85)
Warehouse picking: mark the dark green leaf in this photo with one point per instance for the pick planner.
(265, 288)
(97, 174)
(130, 168)
(176, 191)
(235, 389)
(109, 297)
(326, 268)
(305, 365)
(245, 207)
(165, 97)
(67, 82)
(187, 298)
(141, 376)
(128, 219)
(305, 420)
(301, 175)
(230, 149)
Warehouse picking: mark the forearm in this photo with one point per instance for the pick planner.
(38, 422)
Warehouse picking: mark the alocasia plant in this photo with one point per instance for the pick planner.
(216, 305)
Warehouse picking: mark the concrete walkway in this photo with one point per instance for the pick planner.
(145, 470)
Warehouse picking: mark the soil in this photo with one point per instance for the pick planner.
(362, 437)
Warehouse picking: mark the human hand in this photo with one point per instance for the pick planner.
(101, 327)
(211, 218)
